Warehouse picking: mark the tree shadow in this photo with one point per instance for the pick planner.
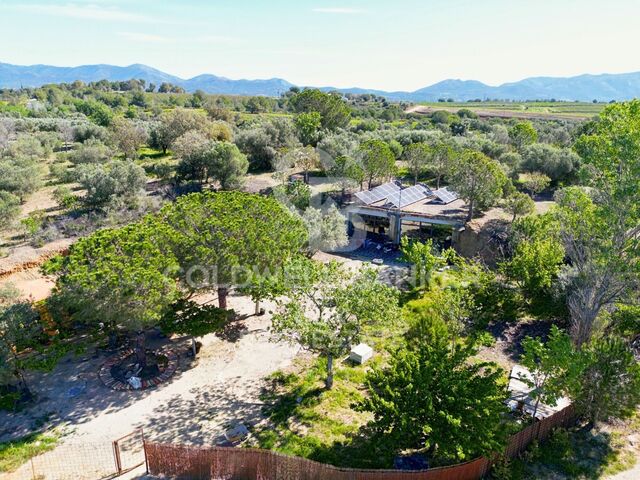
(202, 415)
(73, 394)
(510, 335)
(579, 452)
(234, 330)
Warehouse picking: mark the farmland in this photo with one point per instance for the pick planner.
(524, 110)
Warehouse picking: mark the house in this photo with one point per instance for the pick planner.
(391, 208)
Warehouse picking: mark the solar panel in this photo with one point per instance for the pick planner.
(409, 195)
(378, 193)
(445, 195)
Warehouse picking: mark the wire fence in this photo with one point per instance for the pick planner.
(77, 460)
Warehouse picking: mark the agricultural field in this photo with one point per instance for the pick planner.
(531, 110)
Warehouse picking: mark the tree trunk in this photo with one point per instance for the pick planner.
(113, 340)
(193, 346)
(222, 297)
(140, 349)
(437, 182)
(535, 408)
(306, 177)
(23, 387)
(470, 214)
(415, 179)
(329, 380)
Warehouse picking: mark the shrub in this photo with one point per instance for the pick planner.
(92, 151)
(104, 183)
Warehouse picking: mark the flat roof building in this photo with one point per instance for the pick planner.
(400, 205)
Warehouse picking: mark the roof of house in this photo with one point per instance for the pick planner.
(419, 199)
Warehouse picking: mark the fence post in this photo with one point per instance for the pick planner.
(144, 451)
(116, 455)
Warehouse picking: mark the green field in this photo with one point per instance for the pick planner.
(576, 110)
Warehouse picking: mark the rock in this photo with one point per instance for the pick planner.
(136, 383)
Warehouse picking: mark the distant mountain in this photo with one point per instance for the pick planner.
(16, 76)
(603, 87)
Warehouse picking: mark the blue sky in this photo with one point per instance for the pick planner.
(393, 45)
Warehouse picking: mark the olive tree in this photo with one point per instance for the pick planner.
(128, 136)
(556, 163)
(327, 229)
(327, 308)
(175, 123)
(478, 180)
(305, 158)
(417, 156)
(104, 183)
(9, 207)
(377, 159)
(91, 151)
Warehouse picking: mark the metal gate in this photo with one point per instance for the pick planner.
(128, 452)
(81, 460)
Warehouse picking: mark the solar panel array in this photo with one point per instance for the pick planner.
(445, 195)
(409, 195)
(378, 193)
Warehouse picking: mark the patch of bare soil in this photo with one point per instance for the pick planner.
(256, 182)
(508, 346)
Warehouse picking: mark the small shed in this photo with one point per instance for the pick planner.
(361, 353)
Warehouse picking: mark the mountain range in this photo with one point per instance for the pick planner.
(604, 87)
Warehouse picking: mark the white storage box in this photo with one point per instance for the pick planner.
(361, 353)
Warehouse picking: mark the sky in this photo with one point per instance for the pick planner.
(384, 44)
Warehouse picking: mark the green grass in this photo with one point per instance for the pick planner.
(15, 453)
(245, 116)
(309, 421)
(152, 153)
(574, 453)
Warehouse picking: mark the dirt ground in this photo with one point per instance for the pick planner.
(195, 406)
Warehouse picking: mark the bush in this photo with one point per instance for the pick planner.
(92, 151)
(64, 197)
(297, 193)
(104, 183)
(61, 173)
(9, 207)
